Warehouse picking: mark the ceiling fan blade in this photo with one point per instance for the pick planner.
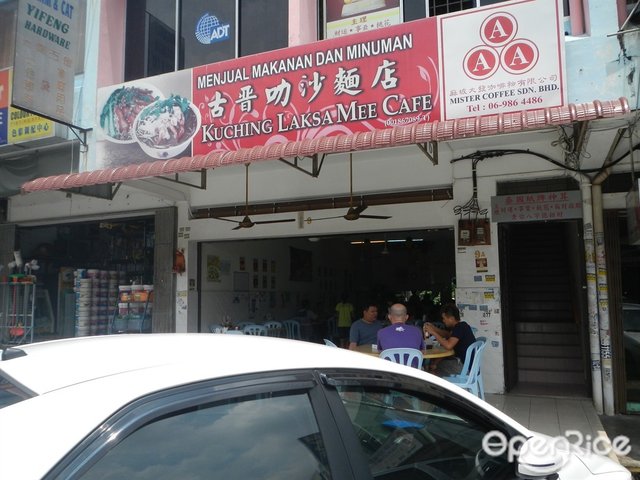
(275, 221)
(237, 228)
(359, 209)
(379, 217)
(225, 219)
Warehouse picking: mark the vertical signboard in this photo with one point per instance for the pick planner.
(47, 34)
(510, 58)
(344, 17)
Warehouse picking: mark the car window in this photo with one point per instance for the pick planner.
(260, 436)
(404, 436)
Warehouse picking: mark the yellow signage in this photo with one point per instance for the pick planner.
(16, 125)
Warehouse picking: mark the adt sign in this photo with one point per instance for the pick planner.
(210, 30)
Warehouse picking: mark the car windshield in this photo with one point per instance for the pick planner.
(631, 320)
(10, 393)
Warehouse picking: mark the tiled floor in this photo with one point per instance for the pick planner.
(554, 416)
(549, 415)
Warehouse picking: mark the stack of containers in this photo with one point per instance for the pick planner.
(82, 289)
(112, 296)
(103, 303)
(94, 275)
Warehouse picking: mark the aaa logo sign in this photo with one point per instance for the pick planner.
(500, 49)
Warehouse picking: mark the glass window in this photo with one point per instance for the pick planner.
(10, 393)
(255, 15)
(208, 32)
(405, 436)
(261, 436)
(413, 10)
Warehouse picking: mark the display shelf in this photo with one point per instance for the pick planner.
(17, 305)
(132, 317)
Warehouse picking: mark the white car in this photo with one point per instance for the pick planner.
(207, 406)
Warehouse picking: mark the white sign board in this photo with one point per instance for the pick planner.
(47, 36)
(504, 58)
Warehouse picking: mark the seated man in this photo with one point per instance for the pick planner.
(458, 338)
(399, 334)
(365, 330)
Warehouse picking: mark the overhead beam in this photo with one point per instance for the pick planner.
(414, 196)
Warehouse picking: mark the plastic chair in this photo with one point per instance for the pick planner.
(471, 381)
(241, 325)
(274, 329)
(329, 343)
(293, 329)
(215, 328)
(255, 330)
(405, 356)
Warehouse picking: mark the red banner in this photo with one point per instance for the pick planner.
(375, 80)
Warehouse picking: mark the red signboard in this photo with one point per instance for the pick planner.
(375, 80)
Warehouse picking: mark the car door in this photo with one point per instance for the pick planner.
(404, 428)
(252, 426)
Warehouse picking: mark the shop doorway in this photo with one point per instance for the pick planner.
(542, 300)
(272, 279)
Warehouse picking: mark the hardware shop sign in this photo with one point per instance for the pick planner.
(501, 58)
(532, 207)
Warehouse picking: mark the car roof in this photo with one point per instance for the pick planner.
(80, 382)
(51, 365)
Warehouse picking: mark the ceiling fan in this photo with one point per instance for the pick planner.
(354, 212)
(246, 222)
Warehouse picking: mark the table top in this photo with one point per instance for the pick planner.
(433, 352)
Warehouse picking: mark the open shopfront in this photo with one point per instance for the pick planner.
(77, 275)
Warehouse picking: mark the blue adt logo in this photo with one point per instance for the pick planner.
(210, 30)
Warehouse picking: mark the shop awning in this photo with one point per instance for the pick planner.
(479, 126)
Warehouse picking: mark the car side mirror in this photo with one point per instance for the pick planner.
(539, 458)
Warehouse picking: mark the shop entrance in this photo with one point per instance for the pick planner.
(542, 302)
(259, 280)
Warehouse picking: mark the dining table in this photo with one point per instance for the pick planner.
(429, 353)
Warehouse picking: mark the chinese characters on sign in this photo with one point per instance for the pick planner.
(537, 206)
(16, 125)
(357, 16)
(509, 59)
(47, 36)
(343, 87)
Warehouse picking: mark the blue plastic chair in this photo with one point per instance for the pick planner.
(274, 328)
(293, 329)
(470, 377)
(329, 343)
(405, 356)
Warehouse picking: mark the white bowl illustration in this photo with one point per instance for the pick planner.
(164, 128)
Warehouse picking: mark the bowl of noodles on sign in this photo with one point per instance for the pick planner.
(165, 128)
(121, 107)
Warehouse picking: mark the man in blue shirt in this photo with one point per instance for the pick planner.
(365, 330)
